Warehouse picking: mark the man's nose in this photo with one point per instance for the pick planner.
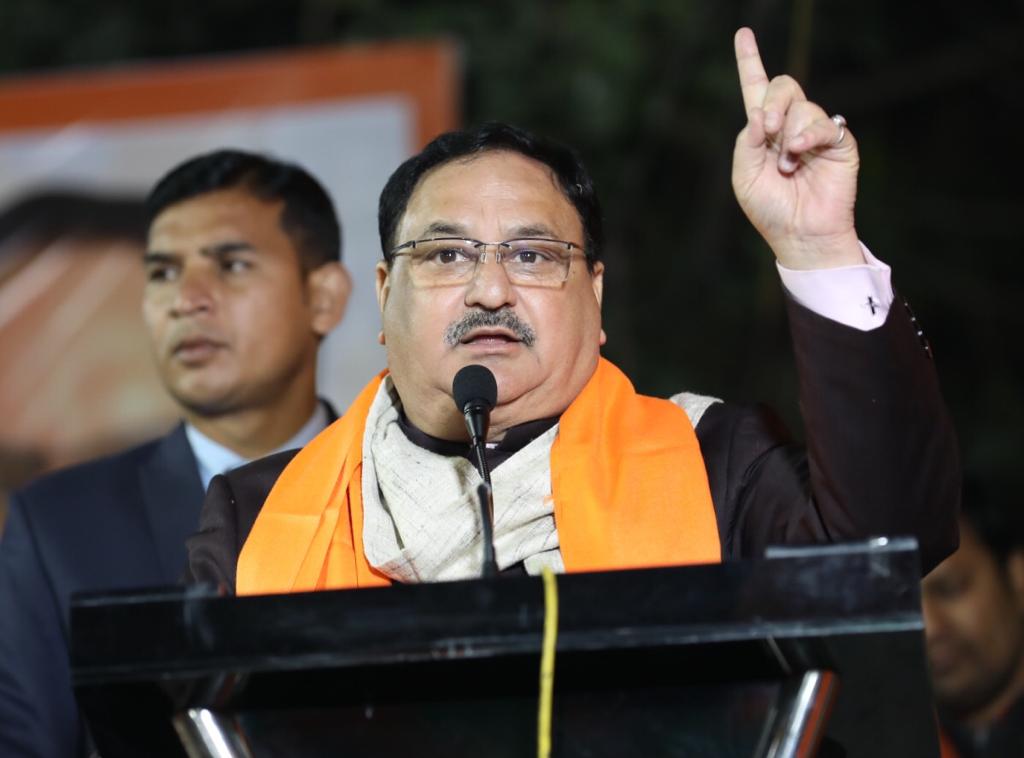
(490, 287)
(194, 294)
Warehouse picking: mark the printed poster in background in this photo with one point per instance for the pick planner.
(79, 151)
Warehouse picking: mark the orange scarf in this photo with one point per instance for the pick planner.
(628, 481)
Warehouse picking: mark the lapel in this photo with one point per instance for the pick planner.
(172, 494)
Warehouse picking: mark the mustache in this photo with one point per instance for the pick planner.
(504, 318)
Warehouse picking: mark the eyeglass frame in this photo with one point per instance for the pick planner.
(498, 254)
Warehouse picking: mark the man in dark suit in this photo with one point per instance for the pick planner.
(492, 243)
(244, 279)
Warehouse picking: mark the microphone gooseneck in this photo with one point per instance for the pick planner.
(476, 391)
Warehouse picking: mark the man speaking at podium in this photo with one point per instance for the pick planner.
(492, 256)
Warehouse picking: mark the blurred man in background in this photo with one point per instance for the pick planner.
(244, 279)
(77, 342)
(974, 620)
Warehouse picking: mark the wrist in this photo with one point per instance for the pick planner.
(818, 252)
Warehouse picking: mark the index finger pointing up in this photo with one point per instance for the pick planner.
(753, 79)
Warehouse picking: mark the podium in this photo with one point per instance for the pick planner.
(811, 651)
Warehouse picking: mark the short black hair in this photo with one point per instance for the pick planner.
(991, 508)
(570, 173)
(308, 217)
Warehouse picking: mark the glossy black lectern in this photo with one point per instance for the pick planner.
(811, 652)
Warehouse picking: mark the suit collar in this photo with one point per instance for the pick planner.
(172, 495)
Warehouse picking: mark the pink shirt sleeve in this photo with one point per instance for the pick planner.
(857, 296)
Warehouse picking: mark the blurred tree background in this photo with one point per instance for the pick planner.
(647, 91)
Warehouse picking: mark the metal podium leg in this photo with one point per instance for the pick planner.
(204, 734)
(801, 717)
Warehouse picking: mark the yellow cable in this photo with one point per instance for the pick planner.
(547, 663)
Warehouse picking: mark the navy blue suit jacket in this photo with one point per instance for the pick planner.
(114, 523)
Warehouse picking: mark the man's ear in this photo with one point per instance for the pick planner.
(329, 287)
(1015, 572)
(597, 282)
(383, 273)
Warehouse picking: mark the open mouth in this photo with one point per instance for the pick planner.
(501, 328)
(489, 337)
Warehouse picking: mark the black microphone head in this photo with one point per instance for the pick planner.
(474, 385)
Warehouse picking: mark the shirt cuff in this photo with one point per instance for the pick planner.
(856, 296)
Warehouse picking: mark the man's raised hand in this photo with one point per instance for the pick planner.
(794, 169)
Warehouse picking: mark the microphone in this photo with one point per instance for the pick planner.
(476, 391)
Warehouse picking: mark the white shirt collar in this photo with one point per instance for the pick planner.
(213, 458)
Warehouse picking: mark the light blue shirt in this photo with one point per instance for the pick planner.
(213, 458)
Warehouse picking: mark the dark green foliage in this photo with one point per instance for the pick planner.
(646, 91)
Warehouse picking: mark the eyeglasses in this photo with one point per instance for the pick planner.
(441, 261)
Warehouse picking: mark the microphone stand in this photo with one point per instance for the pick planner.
(475, 392)
(484, 496)
(483, 493)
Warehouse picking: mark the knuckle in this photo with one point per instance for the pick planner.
(785, 86)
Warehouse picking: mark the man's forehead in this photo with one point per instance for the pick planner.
(217, 212)
(501, 189)
(971, 555)
(444, 228)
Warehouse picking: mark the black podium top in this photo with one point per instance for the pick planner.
(635, 651)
